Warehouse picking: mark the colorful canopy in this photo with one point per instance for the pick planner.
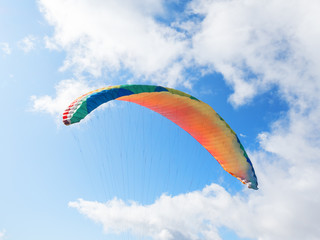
(191, 114)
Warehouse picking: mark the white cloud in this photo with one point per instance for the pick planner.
(116, 35)
(66, 91)
(181, 217)
(5, 48)
(260, 44)
(2, 234)
(27, 43)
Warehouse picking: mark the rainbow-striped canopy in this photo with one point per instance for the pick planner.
(191, 114)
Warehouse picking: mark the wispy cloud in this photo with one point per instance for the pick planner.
(66, 92)
(4, 46)
(27, 43)
(2, 234)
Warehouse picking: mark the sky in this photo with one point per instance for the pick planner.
(128, 173)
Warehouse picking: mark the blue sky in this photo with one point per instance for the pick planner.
(128, 173)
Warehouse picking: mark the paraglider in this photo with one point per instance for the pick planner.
(191, 114)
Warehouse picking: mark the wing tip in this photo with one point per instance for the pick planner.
(252, 185)
(66, 122)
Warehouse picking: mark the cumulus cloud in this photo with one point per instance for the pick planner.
(116, 35)
(5, 48)
(66, 92)
(180, 217)
(259, 44)
(27, 43)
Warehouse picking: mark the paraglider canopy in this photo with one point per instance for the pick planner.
(191, 114)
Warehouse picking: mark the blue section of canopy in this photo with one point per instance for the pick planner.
(160, 89)
(96, 99)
